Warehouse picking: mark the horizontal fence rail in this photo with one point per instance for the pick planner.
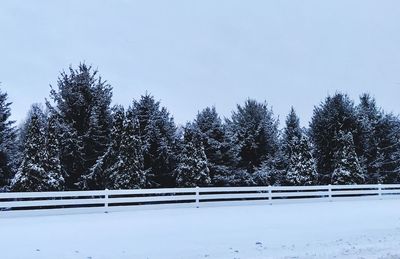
(26, 203)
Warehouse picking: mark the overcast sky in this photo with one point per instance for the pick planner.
(192, 54)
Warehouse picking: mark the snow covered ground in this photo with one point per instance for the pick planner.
(346, 229)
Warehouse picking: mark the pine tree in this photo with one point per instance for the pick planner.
(266, 174)
(254, 134)
(157, 133)
(72, 156)
(97, 137)
(216, 147)
(82, 102)
(336, 113)
(100, 174)
(369, 117)
(192, 169)
(347, 169)
(121, 167)
(128, 171)
(32, 175)
(301, 168)
(387, 161)
(55, 175)
(8, 134)
(240, 177)
(291, 131)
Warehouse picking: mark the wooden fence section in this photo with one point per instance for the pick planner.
(43, 203)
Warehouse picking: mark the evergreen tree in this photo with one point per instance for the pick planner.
(291, 131)
(100, 174)
(32, 175)
(347, 169)
(216, 147)
(82, 103)
(369, 117)
(97, 137)
(254, 134)
(336, 114)
(128, 171)
(192, 169)
(301, 165)
(72, 156)
(121, 167)
(52, 165)
(387, 163)
(8, 134)
(157, 133)
(267, 173)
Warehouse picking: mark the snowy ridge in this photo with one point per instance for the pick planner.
(26, 203)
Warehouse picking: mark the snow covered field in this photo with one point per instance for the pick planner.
(346, 229)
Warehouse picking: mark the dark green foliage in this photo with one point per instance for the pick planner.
(81, 143)
(52, 165)
(347, 169)
(301, 168)
(336, 113)
(387, 162)
(101, 173)
(291, 131)
(216, 147)
(157, 133)
(40, 169)
(121, 167)
(128, 171)
(370, 118)
(192, 169)
(253, 132)
(8, 144)
(82, 103)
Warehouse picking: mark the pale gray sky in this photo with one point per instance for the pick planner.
(191, 54)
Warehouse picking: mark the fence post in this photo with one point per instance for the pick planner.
(330, 192)
(380, 191)
(197, 197)
(106, 201)
(270, 194)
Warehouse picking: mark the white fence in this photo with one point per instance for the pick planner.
(28, 203)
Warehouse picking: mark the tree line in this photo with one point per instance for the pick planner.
(77, 141)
